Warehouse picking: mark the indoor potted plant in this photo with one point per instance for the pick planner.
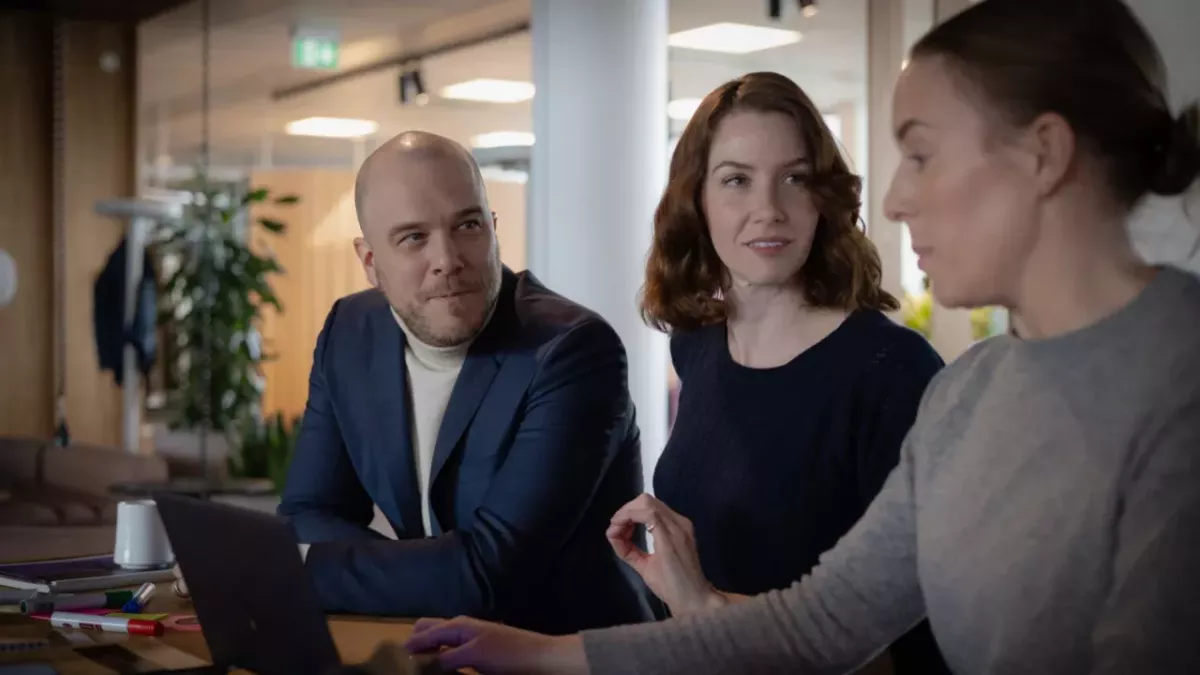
(211, 303)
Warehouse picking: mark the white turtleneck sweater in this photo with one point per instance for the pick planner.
(432, 372)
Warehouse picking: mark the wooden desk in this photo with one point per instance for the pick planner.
(356, 638)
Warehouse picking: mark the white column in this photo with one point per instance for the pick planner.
(852, 135)
(886, 46)
(598, 168)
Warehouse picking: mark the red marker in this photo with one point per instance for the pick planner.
(109, 624)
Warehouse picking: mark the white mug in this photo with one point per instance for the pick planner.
(141, 538)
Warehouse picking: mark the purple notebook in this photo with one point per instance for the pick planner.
(76, 574)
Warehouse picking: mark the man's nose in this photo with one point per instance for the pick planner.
(445, 255)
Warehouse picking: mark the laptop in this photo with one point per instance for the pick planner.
(250, 590)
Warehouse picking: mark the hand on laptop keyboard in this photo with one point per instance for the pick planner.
(180, 586)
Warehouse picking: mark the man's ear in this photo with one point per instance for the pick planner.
(367, 257)
(1051, 142)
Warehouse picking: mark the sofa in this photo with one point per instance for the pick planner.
(55, 501)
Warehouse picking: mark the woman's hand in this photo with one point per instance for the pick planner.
(494, 648)
(673, 571)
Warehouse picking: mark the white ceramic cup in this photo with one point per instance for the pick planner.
(141, 538)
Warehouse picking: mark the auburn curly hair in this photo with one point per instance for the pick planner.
(686, 280)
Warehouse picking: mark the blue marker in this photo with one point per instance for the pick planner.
(140, 599)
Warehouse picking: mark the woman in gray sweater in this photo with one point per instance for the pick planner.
(1045, 511)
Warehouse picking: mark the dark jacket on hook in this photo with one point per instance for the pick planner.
(109, 312)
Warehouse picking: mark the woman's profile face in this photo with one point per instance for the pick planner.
(964, 191)
(760, 215)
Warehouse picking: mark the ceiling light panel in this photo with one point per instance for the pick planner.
(733, 38)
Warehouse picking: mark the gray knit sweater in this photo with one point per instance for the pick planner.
(1045, 515)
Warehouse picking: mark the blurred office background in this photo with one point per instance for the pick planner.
(571, 106)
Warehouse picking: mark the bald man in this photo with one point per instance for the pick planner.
(487, 417)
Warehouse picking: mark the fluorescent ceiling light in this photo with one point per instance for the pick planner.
(502, 139)
(490, 91)
(332, 127)
(682, 108)
(496, 174)
(733, 38)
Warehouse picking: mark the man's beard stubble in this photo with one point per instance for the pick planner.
(414, 316)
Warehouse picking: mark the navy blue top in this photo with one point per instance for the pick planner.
(774, 465)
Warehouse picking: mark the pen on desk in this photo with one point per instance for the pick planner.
(46, 604)
(141, 598)
(108, 624)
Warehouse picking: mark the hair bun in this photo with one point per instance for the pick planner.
(1180, 163)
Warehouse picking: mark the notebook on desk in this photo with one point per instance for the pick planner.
(72, 575)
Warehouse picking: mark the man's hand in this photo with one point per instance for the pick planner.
(180, 586)
(673, 571)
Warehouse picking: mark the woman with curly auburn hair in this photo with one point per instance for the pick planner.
(797, 390)
(692, 268)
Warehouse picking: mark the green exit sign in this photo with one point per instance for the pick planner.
(314, 50)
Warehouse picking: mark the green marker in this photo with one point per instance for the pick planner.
(48, 604)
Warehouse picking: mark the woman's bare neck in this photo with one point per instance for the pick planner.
(771, 326)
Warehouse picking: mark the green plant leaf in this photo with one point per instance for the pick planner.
(213, 303)
(287, 199)
(272, 225)
(255, 196)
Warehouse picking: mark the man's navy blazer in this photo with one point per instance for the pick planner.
(537, 450)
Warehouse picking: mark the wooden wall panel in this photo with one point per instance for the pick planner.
(98, 163)
(508, 203)
(26, 325)
(317, 253)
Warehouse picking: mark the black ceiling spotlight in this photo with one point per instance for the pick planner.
(807, 7)
(419, 86)
(412, 88)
